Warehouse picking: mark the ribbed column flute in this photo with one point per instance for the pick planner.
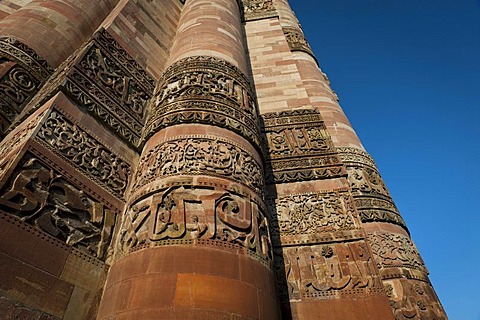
(194, 241)
(405, 277)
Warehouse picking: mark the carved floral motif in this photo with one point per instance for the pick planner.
(41, 197)
(85, 152)
(188, 213)
(200, 155)
(205, 90)
(395, 250)
(22, 74)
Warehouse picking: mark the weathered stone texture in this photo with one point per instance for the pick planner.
(187, 160)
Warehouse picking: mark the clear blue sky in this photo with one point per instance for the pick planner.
(408, 77)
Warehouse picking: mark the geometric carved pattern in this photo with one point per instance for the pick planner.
(202, 89)
(200, 155)
(86, 153)
(372, 198)
(395, 251)
(323, 271)
(22, 73)
(312, 213)
(258, 9)
(296, 40)
(43, 198)
(182, 214)
(299, 147)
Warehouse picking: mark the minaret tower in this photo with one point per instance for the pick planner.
(187, 159)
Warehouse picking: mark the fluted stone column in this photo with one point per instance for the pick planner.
(34, 40)
(404, 275)
(194, 240)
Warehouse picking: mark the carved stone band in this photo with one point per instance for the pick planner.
(182, 214)
(258, 9)
(297, 41)
(205, 90)
(85, 152)
(200, 155)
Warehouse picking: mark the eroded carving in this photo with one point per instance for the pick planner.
(205, 90)
(320, 271)
(413, 300)
(296, 40)
(395, 250)
(85, 152)
(258, 9)
(41, 197)
(200, 155)
(186, 213)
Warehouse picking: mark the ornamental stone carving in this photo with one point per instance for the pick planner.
(313, 213)
(299, 147)
(327, 270)
(207, 90)
(395, 250)
(258, 9)
(43, 198)
(413, 300)
(372, 198)
(196, 214)
(85, 153)
(22, 73)
(296, 40)
(200, 155)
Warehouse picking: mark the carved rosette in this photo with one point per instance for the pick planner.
(200, 214)
(299, 147)
(42, 197)
(85, 152)
(207, 90)
(296, 40)
(372, 198)
(326, 271)
(22, 73)
(311, 216)
(258, 9)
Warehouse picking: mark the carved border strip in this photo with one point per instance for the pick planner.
(258, 9)
(85, 153)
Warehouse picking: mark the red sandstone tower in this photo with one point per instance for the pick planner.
(187, 160)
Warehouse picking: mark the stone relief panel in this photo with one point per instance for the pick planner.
(14, 142)
(372, 198)
(200, 155)
(207, 90)
(258, 9)
(108, 82)
(322, 271)
(22, 73)
(85, 153)
(188, 213)
(40, 196)
(413, 300)
(395, 251)
(296, 40)
(299, 147)
(312, 213)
